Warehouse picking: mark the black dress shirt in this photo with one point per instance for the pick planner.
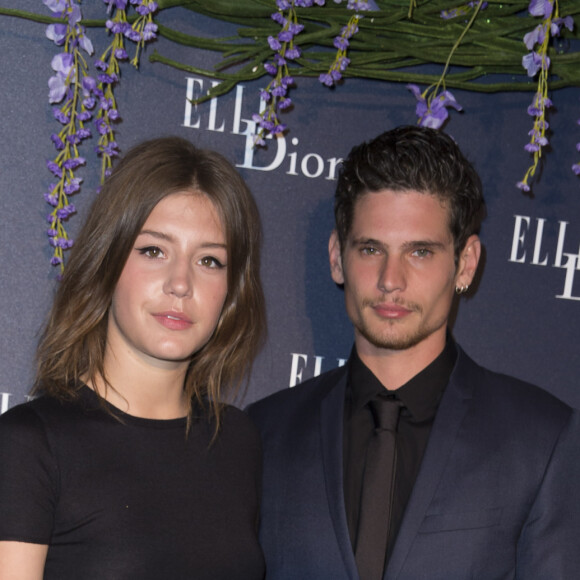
(420, 399)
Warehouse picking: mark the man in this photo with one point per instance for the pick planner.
(474, 475)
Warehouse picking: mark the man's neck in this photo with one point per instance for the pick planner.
(394, 368)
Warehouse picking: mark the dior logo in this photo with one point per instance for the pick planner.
(529, 246)
(312, 366)
(280, 154)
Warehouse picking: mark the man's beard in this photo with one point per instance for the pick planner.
(401, 339)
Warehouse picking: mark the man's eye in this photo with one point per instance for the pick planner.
(151, 252)
(369, 250)
(422, 253)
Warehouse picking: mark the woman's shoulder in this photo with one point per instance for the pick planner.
(29, 415)
(39, 414)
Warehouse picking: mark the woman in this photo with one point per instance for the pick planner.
(128, 465)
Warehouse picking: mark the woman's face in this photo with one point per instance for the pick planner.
(171, 292)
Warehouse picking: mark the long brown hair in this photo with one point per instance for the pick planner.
(73, 342)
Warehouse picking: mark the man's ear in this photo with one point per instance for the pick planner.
(468, 261)
(335, 258)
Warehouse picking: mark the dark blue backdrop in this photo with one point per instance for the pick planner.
(522, 318)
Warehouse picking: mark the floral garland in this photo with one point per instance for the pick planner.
(375, 39)
(83, 97)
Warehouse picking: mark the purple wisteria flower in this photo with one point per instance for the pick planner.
(58, 6)
(536, 36)
(74, 88)
(275, 95)
(537, 62)
(433, 112)
(62, 64)
(56, 33)
(341, 43)
(541, 8)
(558, 23)
(533, 62)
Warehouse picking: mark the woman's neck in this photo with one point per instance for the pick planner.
(139, 388)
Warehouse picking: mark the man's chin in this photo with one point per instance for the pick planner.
(394, 340)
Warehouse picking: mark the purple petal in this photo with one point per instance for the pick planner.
(541, 8)
(326, 79)
(532, 62)
(75, 15)
(277, 17)
(416, 92)
(341, 43)
(62, 63)
(55, 5)
(57, 89)
(448, 100)
(284, 103)
(56, 33)
(523, 186)
(293, 53)
(536, 36)
(274, 43)
(86, 44)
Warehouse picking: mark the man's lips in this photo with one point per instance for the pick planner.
(173, 320)
(390, 310)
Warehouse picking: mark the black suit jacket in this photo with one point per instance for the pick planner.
(497, 495)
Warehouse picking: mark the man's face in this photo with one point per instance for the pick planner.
(398, 270)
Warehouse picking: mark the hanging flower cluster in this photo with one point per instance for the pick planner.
(274, 97)
(72, 87)
(79, 94)
(142, 30)
(538, 62)
(341, 43)
(431, 108)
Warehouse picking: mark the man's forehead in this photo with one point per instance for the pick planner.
(411, 211)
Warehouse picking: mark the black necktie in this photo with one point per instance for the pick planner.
(377, 494)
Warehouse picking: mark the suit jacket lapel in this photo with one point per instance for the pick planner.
(331, 433)
(451, 412)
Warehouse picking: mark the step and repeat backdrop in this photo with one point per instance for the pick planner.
(523, 317)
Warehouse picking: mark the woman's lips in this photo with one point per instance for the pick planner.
(173, 320)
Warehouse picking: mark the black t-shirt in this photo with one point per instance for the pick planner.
(131, 499)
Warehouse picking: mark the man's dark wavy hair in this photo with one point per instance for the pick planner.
(412, 158)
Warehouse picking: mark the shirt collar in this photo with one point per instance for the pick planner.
(420, 395)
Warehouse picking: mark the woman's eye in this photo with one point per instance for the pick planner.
(211, 262)
(151, 252)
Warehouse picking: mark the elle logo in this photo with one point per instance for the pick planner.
(207, 116)
(540, 256)
(300, 363)
(4, 400)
